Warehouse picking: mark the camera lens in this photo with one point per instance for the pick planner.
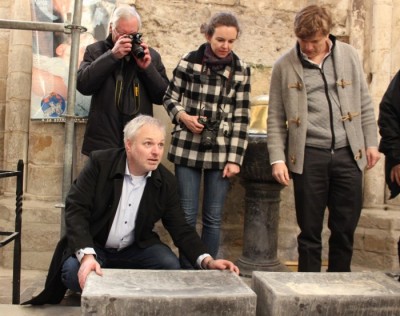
(137, 50)
(209, 133)
(202, 120)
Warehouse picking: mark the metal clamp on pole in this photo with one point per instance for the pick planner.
(69, 27)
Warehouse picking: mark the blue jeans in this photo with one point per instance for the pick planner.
(215, 189)
(158, 257)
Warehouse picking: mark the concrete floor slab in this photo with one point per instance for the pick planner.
(329, 294)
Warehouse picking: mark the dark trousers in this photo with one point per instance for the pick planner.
(333, 181)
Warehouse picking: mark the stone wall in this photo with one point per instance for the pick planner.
(172, 27)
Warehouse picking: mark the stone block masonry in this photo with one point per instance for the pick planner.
(376, 237)
(167, 292)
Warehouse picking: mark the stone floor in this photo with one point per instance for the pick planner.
(32, 282)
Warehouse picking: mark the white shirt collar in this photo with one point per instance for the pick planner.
(127, 173)
(330, 45)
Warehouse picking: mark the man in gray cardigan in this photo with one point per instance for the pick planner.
(321, 127)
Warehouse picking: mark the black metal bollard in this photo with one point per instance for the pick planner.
(261, 217)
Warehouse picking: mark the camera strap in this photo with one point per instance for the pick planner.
(127, 101)
(225, 89)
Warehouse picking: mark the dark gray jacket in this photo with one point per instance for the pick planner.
(97, 76)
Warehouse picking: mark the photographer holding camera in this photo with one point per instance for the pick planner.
(208, 101)
(124, 76)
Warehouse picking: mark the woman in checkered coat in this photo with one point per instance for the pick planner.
(208, 101)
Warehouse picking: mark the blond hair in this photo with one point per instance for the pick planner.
(312, 19)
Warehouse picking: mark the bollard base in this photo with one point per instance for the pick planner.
(247, 267)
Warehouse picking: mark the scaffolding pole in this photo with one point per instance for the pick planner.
(33, 26)
(74, 29)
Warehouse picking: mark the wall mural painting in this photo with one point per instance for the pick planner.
(51, 54)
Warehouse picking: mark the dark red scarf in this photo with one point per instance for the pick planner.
(214, 62)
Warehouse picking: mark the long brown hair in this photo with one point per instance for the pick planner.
(220, 19)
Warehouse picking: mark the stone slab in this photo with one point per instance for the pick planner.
(167, 292)
(329, 294)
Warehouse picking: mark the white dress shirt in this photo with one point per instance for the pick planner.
(122, 230)
(121, 234)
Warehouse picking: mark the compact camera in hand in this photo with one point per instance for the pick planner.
(136, 50)
(210, 132)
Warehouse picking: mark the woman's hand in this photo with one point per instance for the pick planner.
(191, 122)
(230, 170)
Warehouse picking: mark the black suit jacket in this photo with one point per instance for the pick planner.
(389, 128)
(91, 205)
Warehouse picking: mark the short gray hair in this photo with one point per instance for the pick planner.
(125, 12)
(132, 127)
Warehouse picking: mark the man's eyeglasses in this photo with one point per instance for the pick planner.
(122, 33)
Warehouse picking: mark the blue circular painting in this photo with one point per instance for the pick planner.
(53, 105)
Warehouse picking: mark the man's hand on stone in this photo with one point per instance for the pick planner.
(88, 264)
(220, 264)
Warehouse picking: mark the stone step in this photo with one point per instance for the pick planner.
(34, 211)
(161, 292)
(40, 232)
(329, 294)
(46, 310)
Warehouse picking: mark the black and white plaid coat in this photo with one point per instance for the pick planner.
(223, 95)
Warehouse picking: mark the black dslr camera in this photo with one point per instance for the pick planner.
(209, 133)
(136, 50)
